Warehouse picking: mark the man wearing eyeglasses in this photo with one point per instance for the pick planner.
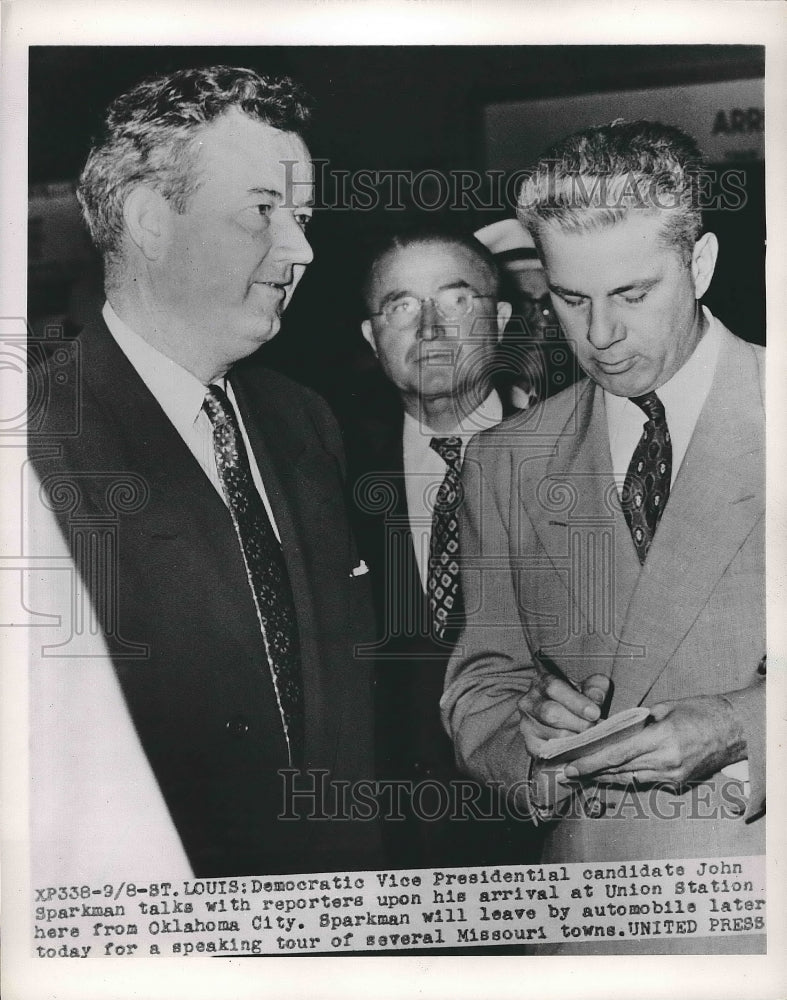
(434, 322)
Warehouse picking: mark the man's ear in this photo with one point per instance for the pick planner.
(368, 336)
(504, 311)
(703, 263)
(147, 217)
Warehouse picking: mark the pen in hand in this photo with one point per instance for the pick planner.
(541, 659)
(548, 664)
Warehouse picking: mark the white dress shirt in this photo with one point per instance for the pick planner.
(181, 395)
(424, 470)
(683, 398)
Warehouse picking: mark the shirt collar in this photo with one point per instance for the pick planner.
(179, 393)
(489, 413)
(685, 393)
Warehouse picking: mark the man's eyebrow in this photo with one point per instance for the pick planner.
(266, 192)
(401, 293)
(277, 196)
(643, 285)
(392, 296)
(560, 290)
(459, 283)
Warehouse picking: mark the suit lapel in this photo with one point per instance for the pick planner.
(183, 523)
(575, 511)
(182, 502)
(185, 510)
(717, 498)
(389, 462)
(300, 482)
(404, 584)
(388, 466)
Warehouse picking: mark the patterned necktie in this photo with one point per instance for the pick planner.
(442, 585)
(647, 485)
(265, 566)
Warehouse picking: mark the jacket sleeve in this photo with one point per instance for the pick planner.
(491, 667)
(748, 706)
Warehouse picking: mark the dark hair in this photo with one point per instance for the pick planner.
(596, 177)
(149, 135)
(429, 237)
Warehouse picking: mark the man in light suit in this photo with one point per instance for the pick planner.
(613, 537)
(202, 496)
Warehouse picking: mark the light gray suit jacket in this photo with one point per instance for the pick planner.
(548, 562)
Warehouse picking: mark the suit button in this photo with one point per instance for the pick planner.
(237, 726)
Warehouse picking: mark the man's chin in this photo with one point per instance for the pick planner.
(255, 335)
(266, 329)
(632, 382)
(434, 385)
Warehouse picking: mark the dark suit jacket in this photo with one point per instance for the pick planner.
(200, 696)
(410, 664)
(410, 660)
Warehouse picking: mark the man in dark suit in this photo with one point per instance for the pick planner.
(434, 322)
(233, 596)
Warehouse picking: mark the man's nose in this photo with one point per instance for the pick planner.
(604, 328)
(292, 243)
(431, 324)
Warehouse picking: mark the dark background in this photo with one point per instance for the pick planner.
(387, 108)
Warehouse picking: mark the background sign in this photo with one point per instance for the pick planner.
(726, 118)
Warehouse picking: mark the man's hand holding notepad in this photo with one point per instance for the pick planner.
(603, 734)
(562, 723)
(671, 743)
(619, 727)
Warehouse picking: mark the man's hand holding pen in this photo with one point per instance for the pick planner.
(688, 739)
(556, 706)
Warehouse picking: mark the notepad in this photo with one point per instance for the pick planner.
(603, 734)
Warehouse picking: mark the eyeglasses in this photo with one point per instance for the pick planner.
(451, 303)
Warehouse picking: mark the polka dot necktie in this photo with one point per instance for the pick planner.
(647, 485)
(265, 566)
(445, 598)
